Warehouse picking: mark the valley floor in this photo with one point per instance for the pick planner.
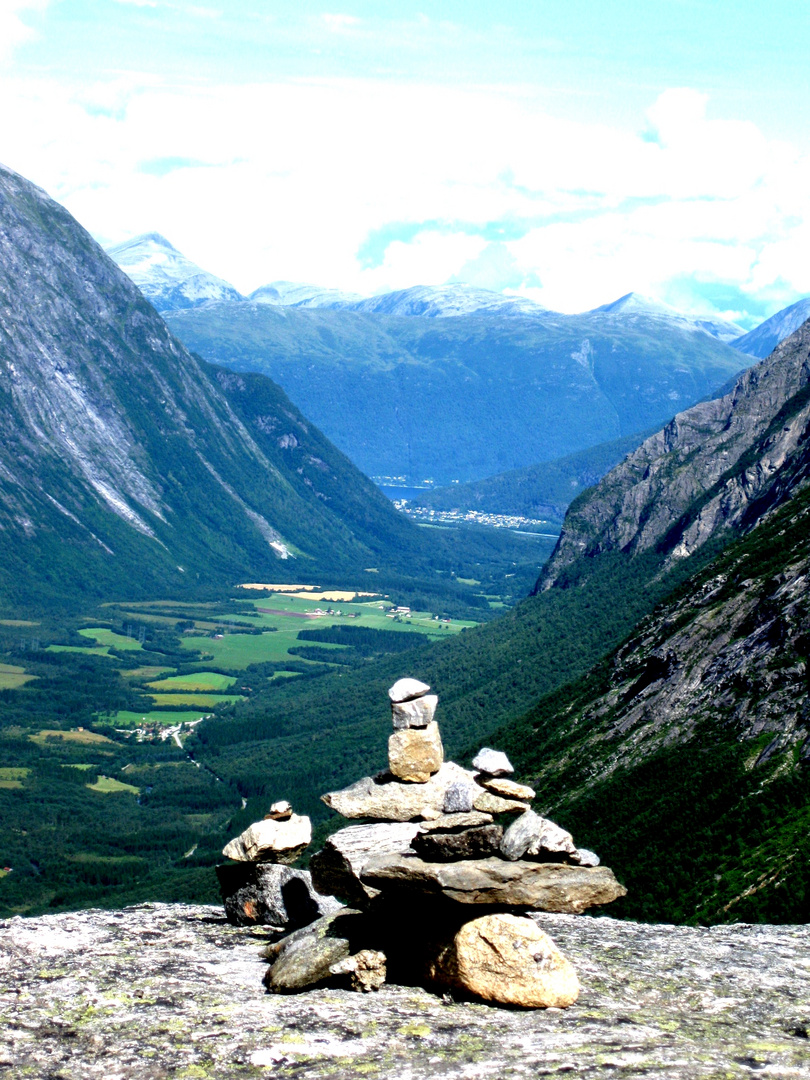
(172, 990)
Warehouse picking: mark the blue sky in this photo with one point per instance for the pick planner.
(570, 151)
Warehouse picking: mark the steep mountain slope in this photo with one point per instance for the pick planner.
(457, 399)
(539, 491)
(720, 464)
(632, 304)
(685, 756)
(764, 338)
(165, 277)
(125, 462)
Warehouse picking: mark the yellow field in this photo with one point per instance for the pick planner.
(106, 785)
(310, 592)
(12, 677)
(78, 735)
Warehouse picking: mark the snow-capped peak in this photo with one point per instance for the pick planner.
(296, 294)
(166, 277)
(634, 304)
(448, 301)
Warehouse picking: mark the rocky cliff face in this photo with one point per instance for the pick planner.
(171, 990)
(120, 445)
(718, 465)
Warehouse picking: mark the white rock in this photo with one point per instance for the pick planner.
(407, 690)
(417, 713)
(271, 841)
(492, 762)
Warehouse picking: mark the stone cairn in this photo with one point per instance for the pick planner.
(438, 892)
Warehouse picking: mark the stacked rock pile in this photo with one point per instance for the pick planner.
(439, 891)
(260, 886)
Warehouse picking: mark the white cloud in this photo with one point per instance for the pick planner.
(293, 179)
(13, 30)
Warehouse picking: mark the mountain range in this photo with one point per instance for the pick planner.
(128, 463)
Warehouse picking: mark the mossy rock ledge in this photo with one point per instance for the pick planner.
(162, 990)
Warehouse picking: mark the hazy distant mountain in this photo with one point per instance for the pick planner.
(447, 301)
(764, 339)
(294, 294)
(465, 397)
(128, 464)
(166, 278)
(632, 304)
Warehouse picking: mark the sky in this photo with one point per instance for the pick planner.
(567, 151)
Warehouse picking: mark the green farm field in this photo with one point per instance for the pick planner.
(13, 677)
(198, 681)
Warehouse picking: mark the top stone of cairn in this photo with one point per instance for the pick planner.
(492, 762)
(407, 690)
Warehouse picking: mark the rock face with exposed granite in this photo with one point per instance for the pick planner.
(271, 894)
(705, 471)
(174, 990)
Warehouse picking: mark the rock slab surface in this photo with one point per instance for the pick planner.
(542, 886)
(162, 991)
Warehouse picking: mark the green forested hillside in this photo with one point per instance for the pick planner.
(683, 758)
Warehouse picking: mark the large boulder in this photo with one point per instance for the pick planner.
(542, 886)
(304, 959)
(506, 959)
(269, 894)
(271, 841)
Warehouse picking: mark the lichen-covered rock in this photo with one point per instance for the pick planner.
(542, 886)
(507, 959)
(270, 894)
(304, 958)
(271, 841)
(172, 990)
(415, 753)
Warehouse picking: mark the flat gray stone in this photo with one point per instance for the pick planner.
(387, 799)
(407, 690)
(163, 990)
(269, 894)
(459, 797)
(493, 762)
(337, 867)
(417, 713)
(439, 845)
(534, 836)
(541, 886)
